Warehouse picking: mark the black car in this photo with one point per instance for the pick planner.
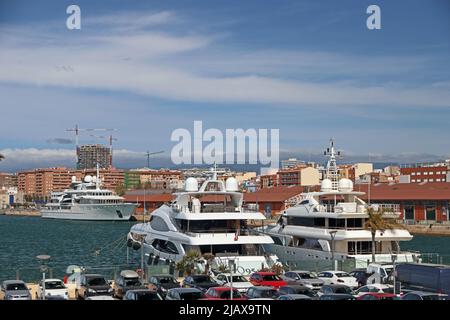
(184, 294)
(337, 296)
(297, 289)
(361, 275)
(142, 294)
(202, 282)
(93, 285)
(258, 292)
(335, 288)
(162, 283)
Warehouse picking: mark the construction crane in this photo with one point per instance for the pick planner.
(77, 131)
(148, 154)
(111, 139)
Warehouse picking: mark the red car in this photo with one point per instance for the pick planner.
(223, 293)
(269, 279)
(378, 296)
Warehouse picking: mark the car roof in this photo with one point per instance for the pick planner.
(48, 280)
(89, 275)
(295, 286)
(265, 273)
(299, 271)
(142, 290)
(263, 288)
(223, 288)
(12, 282)
(297, 296)
(424, 293)
(334, 271)
(129, 274)
(182, 290)
(335, 285)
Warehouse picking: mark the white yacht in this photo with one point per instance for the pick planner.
(330, 224)
(211, 220)
(86, 200)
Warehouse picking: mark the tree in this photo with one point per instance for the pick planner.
(187, 264)
(120, 189)
(377, 221)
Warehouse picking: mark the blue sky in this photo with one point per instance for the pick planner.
(310, 68)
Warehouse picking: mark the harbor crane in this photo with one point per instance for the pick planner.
(77, 131)
(148, 154)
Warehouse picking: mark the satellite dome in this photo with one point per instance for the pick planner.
(191, 185)
(345, 185)
(74, 179)
(88, 179)
(326, 185)
(231, 184)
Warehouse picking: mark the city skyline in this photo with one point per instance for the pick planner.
(149, 68)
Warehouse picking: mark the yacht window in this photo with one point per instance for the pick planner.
(165, 246)
(158, 224)
(304, 202)
(354, 223)
(336, 223)
(277, 240)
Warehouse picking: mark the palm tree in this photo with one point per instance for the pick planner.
(377, 221)
(187, 264)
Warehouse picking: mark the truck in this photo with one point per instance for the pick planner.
(426, 277)
(380, 273)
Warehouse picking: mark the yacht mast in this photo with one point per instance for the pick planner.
(332, 171)
(97, 180)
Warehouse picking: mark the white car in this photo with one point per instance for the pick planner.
(239, 282)
(53, 288)
(375, 288)
(338, 277)
(100, 298)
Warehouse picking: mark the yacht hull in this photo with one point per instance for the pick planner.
(120, 212)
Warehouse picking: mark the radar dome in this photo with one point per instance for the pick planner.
(191, 185)
(345, 185)
(326, 186)
(74, 179)
(231, 184)
(88, 179)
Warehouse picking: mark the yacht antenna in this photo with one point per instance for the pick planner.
(214, 177)
(332, 171)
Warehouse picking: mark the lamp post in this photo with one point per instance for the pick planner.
(232, 266)
(43, 258)
(394, 259)
(333, 235)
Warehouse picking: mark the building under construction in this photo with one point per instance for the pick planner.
(89, 155)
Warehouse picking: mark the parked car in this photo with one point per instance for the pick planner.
(267, 279)
(361, 276)
(184, 294)
(162, 283)
(262, 292)
(305, 278)
(100, 298)
(239, 282)
(378, 296)
(142, 294)
(93, 285)
(201, 281)
(15, 290)
(293, 297)
(337, 296)
(374, 288)
(338, 277)
(298, 289)
(127, 280)
(428, 277)
(53, 288)
(423, 295)
(334, 288)
(224, 293)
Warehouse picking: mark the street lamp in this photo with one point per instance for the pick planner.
(232, 266)
(394, 259)
(333, 235)
(43, 259)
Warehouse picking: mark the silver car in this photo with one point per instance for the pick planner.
(304, 278)
(15, 290)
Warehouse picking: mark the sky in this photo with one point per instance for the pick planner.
(311, 69)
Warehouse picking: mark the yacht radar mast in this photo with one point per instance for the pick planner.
(332, 171)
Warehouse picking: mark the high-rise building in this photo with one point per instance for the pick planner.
(91, 154)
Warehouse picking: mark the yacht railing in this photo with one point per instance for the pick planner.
(213, 208)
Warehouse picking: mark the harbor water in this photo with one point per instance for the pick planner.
(100, 246)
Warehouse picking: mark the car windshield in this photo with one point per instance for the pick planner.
(239, 279)
(191, 295)
(54, 285)
(227, 294)
(268, 293)
(271, 277)
(342, 275)
(96, 281)
(167, 280)
(133, 282)
(16, 286)
(148, 296)
(306, 276)
(343, 290)
(432, 297)
(200, 279)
